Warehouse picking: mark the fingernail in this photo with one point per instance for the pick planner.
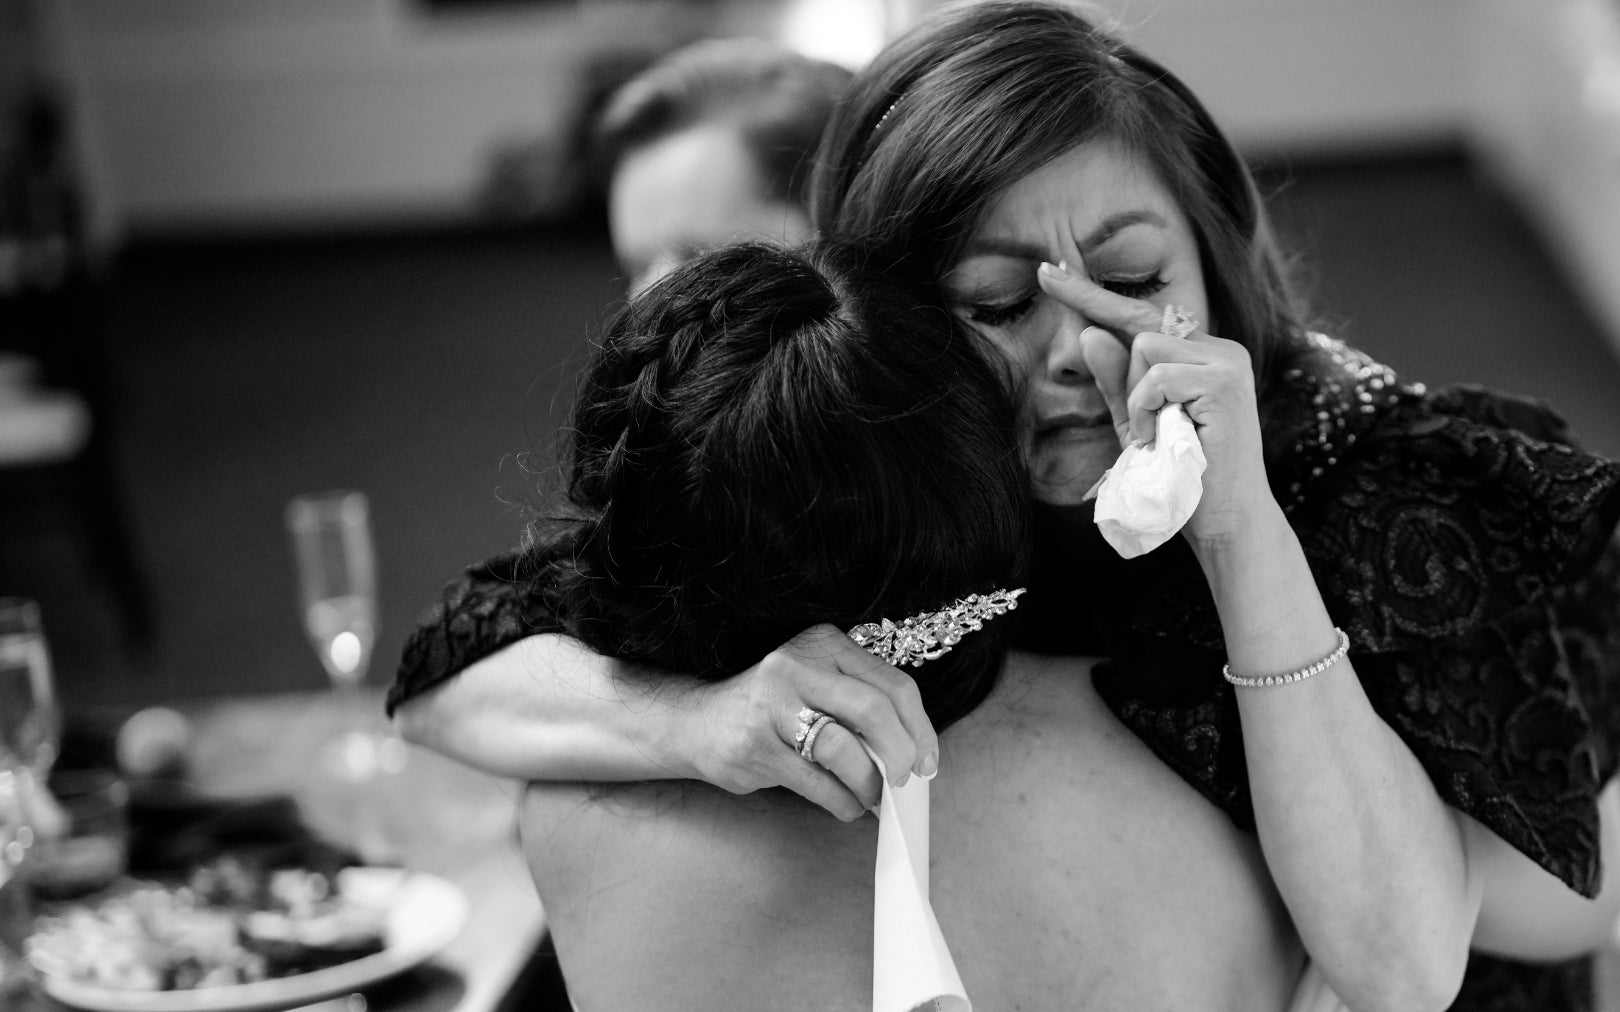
(900, 781)
(929, 767)
(1057, 271)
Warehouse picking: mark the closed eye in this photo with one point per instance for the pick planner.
(1134, 288)
(1002, 313)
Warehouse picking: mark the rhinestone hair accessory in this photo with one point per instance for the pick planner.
(929, 635)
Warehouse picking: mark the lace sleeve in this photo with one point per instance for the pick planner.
(1466, 549)
(492, 605)
(1517, 722)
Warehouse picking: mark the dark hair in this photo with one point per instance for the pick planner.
(768, 439)
(977, 97)
(778, 100)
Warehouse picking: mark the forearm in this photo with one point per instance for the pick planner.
(1370, 861)
(548, 708)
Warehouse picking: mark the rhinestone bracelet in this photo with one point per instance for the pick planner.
(1247, 682)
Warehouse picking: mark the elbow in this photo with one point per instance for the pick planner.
(1406, 977)
(413, 721)
(1437, 985)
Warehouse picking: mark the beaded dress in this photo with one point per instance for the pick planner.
(1459, 538)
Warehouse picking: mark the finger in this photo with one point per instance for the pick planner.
(868, 712)
(1109, 361)
(819, 787)
(914, 748)
(1165, 383)
(1069, 285)
(1151, 349)
(839, 752)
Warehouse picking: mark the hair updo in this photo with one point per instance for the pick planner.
(769, 439)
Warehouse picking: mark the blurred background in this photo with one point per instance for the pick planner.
(288, 245)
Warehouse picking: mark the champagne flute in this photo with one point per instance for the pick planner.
(337, 589)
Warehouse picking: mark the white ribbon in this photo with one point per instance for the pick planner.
(911, 964)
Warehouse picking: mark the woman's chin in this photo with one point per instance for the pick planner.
(1068, 479)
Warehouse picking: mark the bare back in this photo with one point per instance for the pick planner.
(1070, 869)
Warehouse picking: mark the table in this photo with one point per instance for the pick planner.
(440, 816)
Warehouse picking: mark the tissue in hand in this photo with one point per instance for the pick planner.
(1151, 491)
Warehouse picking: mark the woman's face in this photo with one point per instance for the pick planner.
(1101, 209)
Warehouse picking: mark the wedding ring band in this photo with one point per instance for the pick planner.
(807, 748)
(1177, 322)
(806, 718)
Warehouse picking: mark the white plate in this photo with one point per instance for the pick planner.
(426, 916)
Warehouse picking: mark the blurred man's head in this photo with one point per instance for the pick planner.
(711, 144)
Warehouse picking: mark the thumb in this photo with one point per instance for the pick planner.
(1109, 361)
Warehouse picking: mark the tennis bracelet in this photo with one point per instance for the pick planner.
(1251, 682)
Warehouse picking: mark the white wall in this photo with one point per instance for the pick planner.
(1314, 75)
(293, 113)
(1545, 77)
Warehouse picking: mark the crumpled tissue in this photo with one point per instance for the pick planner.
(1152, 490)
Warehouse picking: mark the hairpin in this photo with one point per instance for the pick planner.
(872, 136)
(929, 635)
(884, 118)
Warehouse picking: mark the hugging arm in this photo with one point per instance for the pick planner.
(543, 706)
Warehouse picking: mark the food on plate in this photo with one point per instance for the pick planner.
(229, 923)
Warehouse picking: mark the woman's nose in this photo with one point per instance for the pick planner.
(1065, 357)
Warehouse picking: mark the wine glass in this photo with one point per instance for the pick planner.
(337, 589)
(337, 579)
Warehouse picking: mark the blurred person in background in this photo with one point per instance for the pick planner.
(712, 144)
(1433, 794)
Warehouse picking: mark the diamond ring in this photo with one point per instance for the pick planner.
(806, 718)
(807, 748)
(1177, 322)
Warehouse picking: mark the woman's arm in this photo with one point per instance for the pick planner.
(548, 708)
(1370, 861)
(1372, 864)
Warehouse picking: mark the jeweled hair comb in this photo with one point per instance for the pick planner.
(929, 635)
